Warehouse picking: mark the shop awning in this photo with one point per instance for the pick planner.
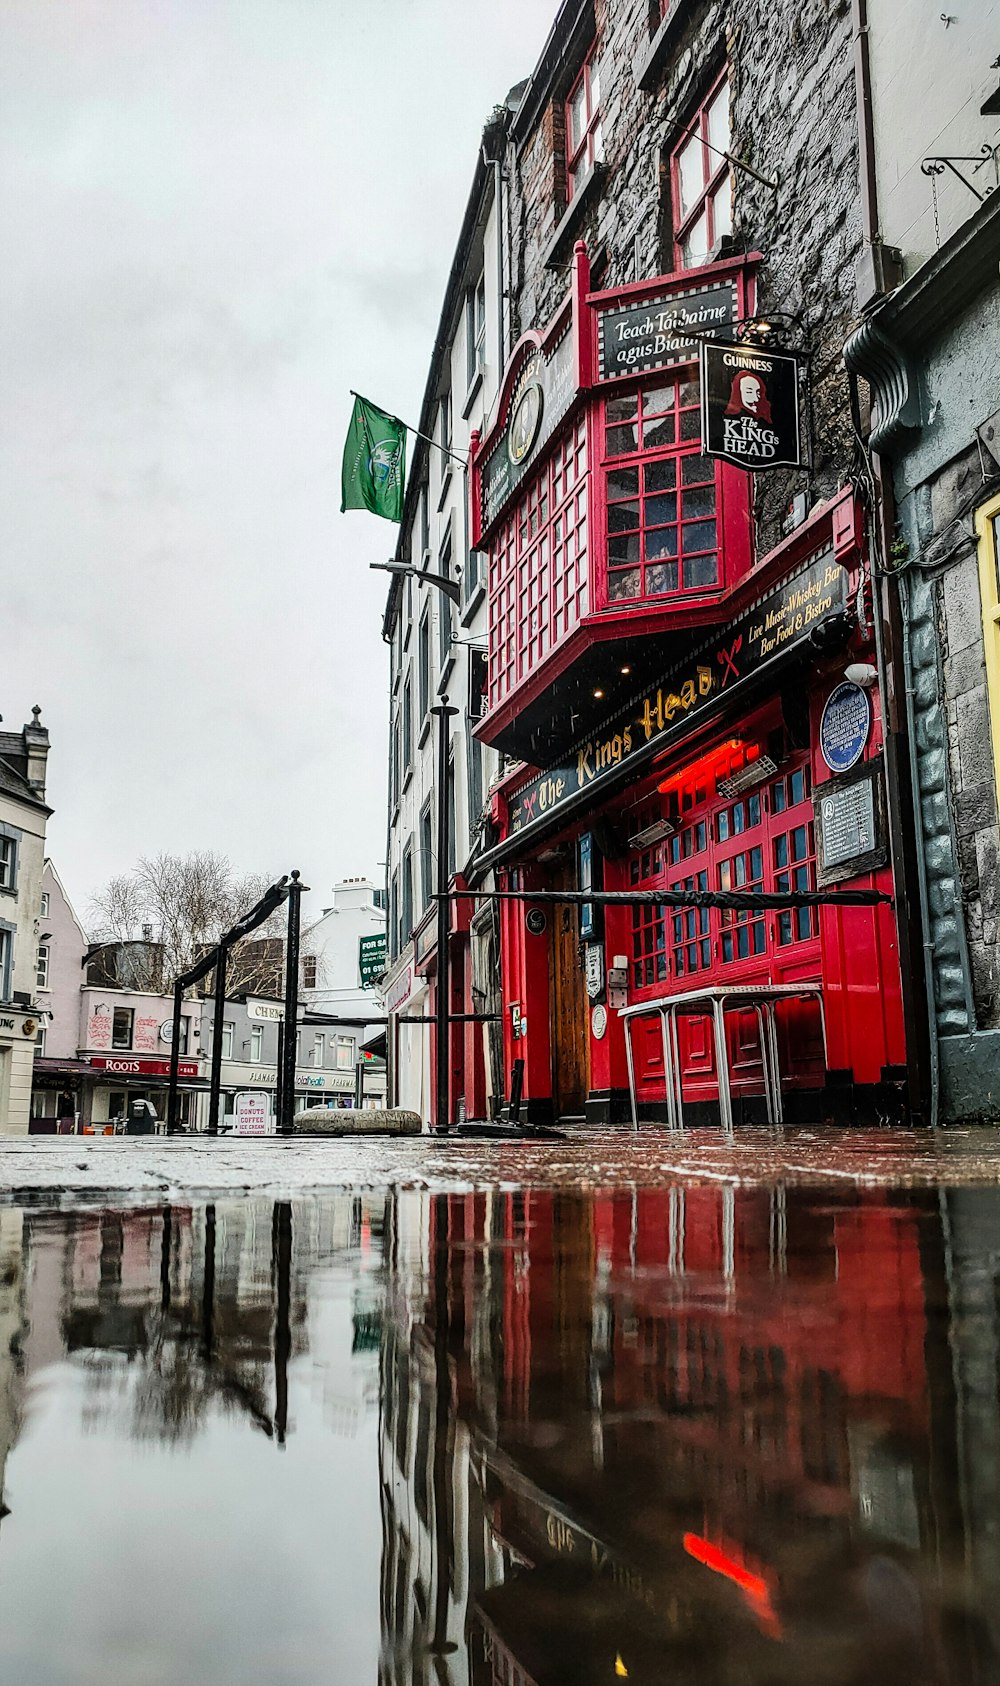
(376, 1045)
(62, 1068)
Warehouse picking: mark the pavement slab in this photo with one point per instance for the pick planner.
(144, 1170)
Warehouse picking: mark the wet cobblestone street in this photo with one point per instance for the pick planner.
(147, 1168)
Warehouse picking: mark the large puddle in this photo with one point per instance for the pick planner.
(694, 1434)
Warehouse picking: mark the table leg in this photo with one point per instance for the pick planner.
(668, 1068)
(675, 1046)
(722, 1066)
(630, 1063)
(765, 1060)
(779, 1110)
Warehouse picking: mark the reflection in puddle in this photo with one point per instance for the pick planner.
(712, 1434)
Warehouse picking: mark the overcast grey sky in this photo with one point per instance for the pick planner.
(218, 216)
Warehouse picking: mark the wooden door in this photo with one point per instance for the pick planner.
(568, 995)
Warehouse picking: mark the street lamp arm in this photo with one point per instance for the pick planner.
(443, 583)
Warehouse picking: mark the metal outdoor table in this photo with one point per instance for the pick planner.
(711, 1002)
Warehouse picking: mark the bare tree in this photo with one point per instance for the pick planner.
(179, 905)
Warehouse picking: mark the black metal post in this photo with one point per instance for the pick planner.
(281, 1266)
(442, 1002)
(175, 1054)
(208, 1289)
(359, 1085)
(289, 1045)
(278, 1085)
(516, 1091)
(219, 1010)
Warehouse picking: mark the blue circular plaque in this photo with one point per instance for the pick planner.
(844, 727)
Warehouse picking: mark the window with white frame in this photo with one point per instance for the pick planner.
(121, 1027)
(228, 1032)
(40, 1042)
(257, 1043)
(475, 329)
(444, 427)
(701, 183)
(444, 607)
(309, 971)
(6, 962)
(318, 1049)
(42, 967)
(424, 665)
(426, 857)
(584, 143)
(345, 1053)
(8, 863)
(44, 905)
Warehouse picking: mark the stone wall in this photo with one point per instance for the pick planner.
(792, 114)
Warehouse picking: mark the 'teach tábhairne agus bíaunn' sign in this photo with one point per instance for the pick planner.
(663, 332)
(750, 406)
(708, 677)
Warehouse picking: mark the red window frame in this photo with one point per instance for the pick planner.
(659, 496)
(715, 171)
(588, 146)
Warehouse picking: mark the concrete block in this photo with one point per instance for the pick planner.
(345, 1121)
(970, 1077)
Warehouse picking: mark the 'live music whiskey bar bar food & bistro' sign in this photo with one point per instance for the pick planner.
(706, 679)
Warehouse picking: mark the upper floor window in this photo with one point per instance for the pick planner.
(406, 718)
(257, 1043)
(8, 863)
(583, 124)
(424, 665)
(445, 632)
(42, 967)
(309, 971)
(475, 330)
(44, 905)
(700, 182)
(6, 962)
(426, 857)
(228, 1032)
(444, 427)
(121, 1027)
(318, 1048)
(345, 1053)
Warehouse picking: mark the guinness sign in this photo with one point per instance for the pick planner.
(750, 406)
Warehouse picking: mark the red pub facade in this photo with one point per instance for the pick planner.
(676, 713)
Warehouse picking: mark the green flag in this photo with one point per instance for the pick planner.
(374, 462)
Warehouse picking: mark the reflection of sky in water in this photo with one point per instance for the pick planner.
(696, 1433)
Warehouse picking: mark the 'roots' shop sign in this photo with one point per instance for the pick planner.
(708, 677)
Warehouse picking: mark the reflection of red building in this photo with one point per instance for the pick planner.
(659, 685)
(691, 1407)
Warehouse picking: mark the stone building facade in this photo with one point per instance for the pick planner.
(928, 353)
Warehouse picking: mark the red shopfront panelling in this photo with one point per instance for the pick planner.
(763, 839)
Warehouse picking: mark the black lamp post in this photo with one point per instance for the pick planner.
(443, 713)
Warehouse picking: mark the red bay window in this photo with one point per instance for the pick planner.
(539, 566)
(676, 522)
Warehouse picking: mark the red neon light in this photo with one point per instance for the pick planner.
(753, 1587)
(709, 764)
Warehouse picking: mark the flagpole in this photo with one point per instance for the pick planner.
(415, 430)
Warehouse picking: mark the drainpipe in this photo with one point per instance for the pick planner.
(891, 644)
